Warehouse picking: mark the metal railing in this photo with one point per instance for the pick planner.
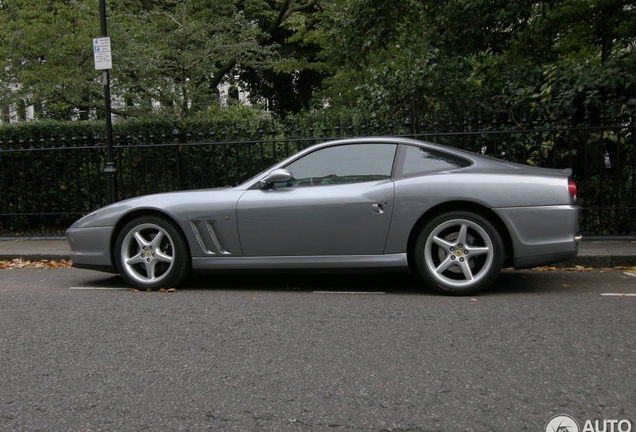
(48, 182)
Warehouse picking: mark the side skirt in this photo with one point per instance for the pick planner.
(331, 262)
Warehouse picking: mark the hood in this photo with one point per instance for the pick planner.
(169, 203)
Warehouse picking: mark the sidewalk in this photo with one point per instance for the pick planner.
(604, 254)
(592, 253)
(35, 250)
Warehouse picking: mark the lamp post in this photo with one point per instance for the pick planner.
(109, 169)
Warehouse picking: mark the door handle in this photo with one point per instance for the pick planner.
(377, 208)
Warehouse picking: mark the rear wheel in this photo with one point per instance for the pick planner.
(459, 253)
(151, 252)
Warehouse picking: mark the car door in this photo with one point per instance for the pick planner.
(338, 202)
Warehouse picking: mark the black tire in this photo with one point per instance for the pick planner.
(151, 252)
(459, 253)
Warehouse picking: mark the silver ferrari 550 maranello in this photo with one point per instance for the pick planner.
(453, 217)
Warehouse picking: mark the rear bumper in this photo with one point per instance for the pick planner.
(90, 248)
(539, 260)
(542, 235)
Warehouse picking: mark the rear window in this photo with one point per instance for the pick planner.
(419, 160)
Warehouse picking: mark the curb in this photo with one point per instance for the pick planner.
(603, 260)
(36, 257)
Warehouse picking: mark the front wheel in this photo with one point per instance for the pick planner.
(151, 252)
(459, 253)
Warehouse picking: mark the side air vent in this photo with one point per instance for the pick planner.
(210, 243)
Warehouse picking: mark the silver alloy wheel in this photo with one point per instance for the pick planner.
(459, 253)
(147, 253)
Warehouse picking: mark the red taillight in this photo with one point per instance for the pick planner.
(572, 189)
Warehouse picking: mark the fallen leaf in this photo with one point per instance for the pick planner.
(577, 268)
(20, 263)
(544, 268)
(631, 269)
(584, 269)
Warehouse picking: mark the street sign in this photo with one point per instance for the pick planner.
(102, 54)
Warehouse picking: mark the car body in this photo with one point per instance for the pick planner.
(381, 203)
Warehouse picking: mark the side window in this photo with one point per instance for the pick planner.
(352, 163)
(419, 159)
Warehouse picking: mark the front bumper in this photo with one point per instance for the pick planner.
(90, 248)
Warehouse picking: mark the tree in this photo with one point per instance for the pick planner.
(45, 53)
(171, 53)
(483, 57)
(290, 85)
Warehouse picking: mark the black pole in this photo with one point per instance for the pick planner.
(109, 169)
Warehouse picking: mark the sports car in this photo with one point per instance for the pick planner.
(453, 217)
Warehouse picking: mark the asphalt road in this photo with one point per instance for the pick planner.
(268, 353)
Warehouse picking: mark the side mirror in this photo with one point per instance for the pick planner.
(276, 176)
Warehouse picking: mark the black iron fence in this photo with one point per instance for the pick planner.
(50, 180)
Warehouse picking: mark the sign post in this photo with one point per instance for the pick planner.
(103, 62)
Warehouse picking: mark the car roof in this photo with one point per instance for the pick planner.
(480, 163)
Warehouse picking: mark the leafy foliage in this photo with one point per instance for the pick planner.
(169, 56)
(45, 55)
(555, 74)
(481, 58)
(476, 58)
